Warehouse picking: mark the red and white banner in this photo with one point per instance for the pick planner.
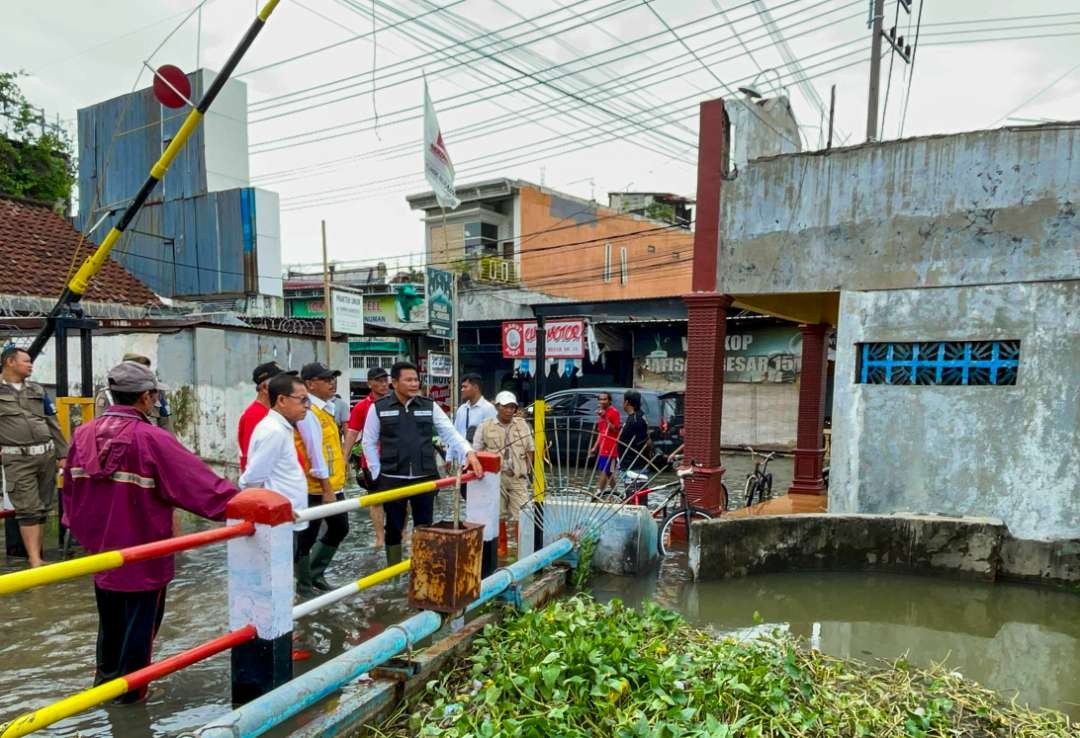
(438, 169)
(566, 339)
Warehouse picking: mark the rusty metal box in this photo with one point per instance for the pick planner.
(446, 566)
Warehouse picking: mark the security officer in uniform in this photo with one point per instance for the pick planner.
(159, 415)
(31, 447)
(398, 445)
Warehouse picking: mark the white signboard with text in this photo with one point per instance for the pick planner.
(565, 339)
(347, 311)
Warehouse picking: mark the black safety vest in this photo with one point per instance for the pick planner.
(405, 437)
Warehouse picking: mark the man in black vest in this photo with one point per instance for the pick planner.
(398, 444)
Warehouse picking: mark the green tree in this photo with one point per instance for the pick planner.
(34, 163)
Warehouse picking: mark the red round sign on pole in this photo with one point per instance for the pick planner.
(167, 95)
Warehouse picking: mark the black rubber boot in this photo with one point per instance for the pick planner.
(302, 572)
(393, 554)
(490, 559)
(321, 554)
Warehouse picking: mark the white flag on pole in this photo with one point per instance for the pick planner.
(438, 169)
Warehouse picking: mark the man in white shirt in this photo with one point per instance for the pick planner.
(398, 445)
(272, 462)
(474, 410)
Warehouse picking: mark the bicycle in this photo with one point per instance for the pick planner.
(675, 507)
(760, 480)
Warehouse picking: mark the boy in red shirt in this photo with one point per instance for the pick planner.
(605, 447)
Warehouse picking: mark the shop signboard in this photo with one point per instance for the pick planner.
(767, 354)
(565, 339)
(386, 310)
(348, 311)
(440, 299)
(440, 365)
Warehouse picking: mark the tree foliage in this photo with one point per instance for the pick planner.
(35, 160)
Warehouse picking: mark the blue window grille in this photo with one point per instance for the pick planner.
(939, 363)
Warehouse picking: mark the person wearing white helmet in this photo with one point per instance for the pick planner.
(511, 438)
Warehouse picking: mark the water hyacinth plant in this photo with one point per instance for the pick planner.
(579, 668)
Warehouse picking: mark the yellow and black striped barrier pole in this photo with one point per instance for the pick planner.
(78, 284)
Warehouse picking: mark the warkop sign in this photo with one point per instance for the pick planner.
(565, 339)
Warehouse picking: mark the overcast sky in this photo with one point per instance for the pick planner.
(589, 96)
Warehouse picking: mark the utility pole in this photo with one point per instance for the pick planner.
(875, 70)
(327, 306)
(832, 114)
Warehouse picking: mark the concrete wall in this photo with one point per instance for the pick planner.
(208, 371)
(985, 207)
(1006, 452)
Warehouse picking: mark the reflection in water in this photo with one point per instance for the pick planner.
(1009, 637)
(47, 648)
(1015, 639)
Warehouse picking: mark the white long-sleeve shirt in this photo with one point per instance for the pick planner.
(456, 444)
(272, 462)
(471, 415)
(311, 434)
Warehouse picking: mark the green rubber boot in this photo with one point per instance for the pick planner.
(393, 555)
(302, 572)
(321, 554)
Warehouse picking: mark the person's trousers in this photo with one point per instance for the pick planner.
(127, 625)
(337, 527)
(423, 507)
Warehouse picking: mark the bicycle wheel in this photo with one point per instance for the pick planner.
(748, 490)
(670, 540)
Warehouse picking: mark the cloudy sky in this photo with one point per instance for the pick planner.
(587, 96)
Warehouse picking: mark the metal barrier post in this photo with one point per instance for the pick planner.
(261, 592)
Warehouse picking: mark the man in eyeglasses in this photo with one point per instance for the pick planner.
(272, 461)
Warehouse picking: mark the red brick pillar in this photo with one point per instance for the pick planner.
(706, 332)
(707, 316)
(810, 439)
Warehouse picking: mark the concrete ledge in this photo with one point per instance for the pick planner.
(360, 705)
(978, 548)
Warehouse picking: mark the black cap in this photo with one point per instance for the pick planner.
(266, 371)
(377, 372)
(316, 370)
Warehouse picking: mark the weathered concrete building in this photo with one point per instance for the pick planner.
(950, 268)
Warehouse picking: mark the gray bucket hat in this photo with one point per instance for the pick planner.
(129, 376)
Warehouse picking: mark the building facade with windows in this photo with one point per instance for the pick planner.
(512, 232)
(949, 269)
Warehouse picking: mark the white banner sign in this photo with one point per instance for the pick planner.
(440, 365)
(347, 311)
(565, 339)
(438, 169)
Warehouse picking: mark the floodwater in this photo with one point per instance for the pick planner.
(48, 638)
(1008, 637)
(1016, 639)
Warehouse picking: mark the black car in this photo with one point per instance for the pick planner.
(572, 415)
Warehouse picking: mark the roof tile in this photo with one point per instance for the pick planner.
(38, 252)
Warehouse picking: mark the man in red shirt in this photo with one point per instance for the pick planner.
(379, 383)
(258, 409)
(605, 447)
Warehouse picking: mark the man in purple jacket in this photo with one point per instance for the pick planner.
(123, 478)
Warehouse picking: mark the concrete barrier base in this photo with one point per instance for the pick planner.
(627, 542)
(979, 548)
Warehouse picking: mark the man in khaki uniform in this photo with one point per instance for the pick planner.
(31, 447)
(511, 438)
(159, 415)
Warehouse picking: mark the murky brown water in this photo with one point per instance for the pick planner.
(1012, 638)
(1009, 637)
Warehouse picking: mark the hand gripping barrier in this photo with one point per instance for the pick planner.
(261, 613)
(490, 463)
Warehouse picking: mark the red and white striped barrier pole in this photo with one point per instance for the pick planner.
(261, 592)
